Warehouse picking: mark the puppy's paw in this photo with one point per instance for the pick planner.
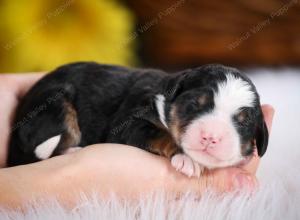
(186, 165)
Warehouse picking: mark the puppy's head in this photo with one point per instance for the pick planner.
(213, 112)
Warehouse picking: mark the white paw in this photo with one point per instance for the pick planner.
(45, 149)
(186, 165)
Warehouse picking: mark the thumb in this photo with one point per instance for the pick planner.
(230, 179)
(224, 180)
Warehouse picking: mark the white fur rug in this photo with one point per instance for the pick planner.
(279, 175)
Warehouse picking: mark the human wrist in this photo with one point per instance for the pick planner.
(53, 178)
(7, 189)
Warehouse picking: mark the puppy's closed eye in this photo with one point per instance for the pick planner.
(197, 103)
(192, 106)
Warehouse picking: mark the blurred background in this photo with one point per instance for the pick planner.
(261, 37)
(170, 34)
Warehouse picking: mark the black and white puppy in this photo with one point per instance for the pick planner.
(208, 116)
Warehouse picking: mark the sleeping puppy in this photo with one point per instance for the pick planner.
(205, 117)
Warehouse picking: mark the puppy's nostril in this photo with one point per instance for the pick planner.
(212, 139)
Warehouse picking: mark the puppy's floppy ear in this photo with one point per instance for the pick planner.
(262, 137)
(174, 85)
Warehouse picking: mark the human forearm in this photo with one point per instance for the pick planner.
(19, 185)
(102, 168)
(123, 170)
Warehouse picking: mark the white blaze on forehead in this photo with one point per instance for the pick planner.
(233, 94)
(45, 149)
(160, 105)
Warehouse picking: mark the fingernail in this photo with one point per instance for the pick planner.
(242, 180)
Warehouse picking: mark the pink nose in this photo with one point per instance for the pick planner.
(210, 139)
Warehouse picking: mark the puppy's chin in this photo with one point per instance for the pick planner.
(210, 161)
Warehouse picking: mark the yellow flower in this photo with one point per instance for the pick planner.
(40, 35)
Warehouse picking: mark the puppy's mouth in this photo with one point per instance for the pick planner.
(206, 158)
(206, 153)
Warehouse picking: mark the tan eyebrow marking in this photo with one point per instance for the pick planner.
(202, 99)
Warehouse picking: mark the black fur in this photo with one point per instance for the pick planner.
(116, 105)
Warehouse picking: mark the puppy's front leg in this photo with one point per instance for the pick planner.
(186, 165)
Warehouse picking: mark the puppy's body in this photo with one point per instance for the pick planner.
(87, 103)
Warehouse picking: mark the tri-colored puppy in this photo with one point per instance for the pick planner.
(208, 116)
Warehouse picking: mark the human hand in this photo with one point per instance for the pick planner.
(106, 168)
(12, 88)
(129, 171)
